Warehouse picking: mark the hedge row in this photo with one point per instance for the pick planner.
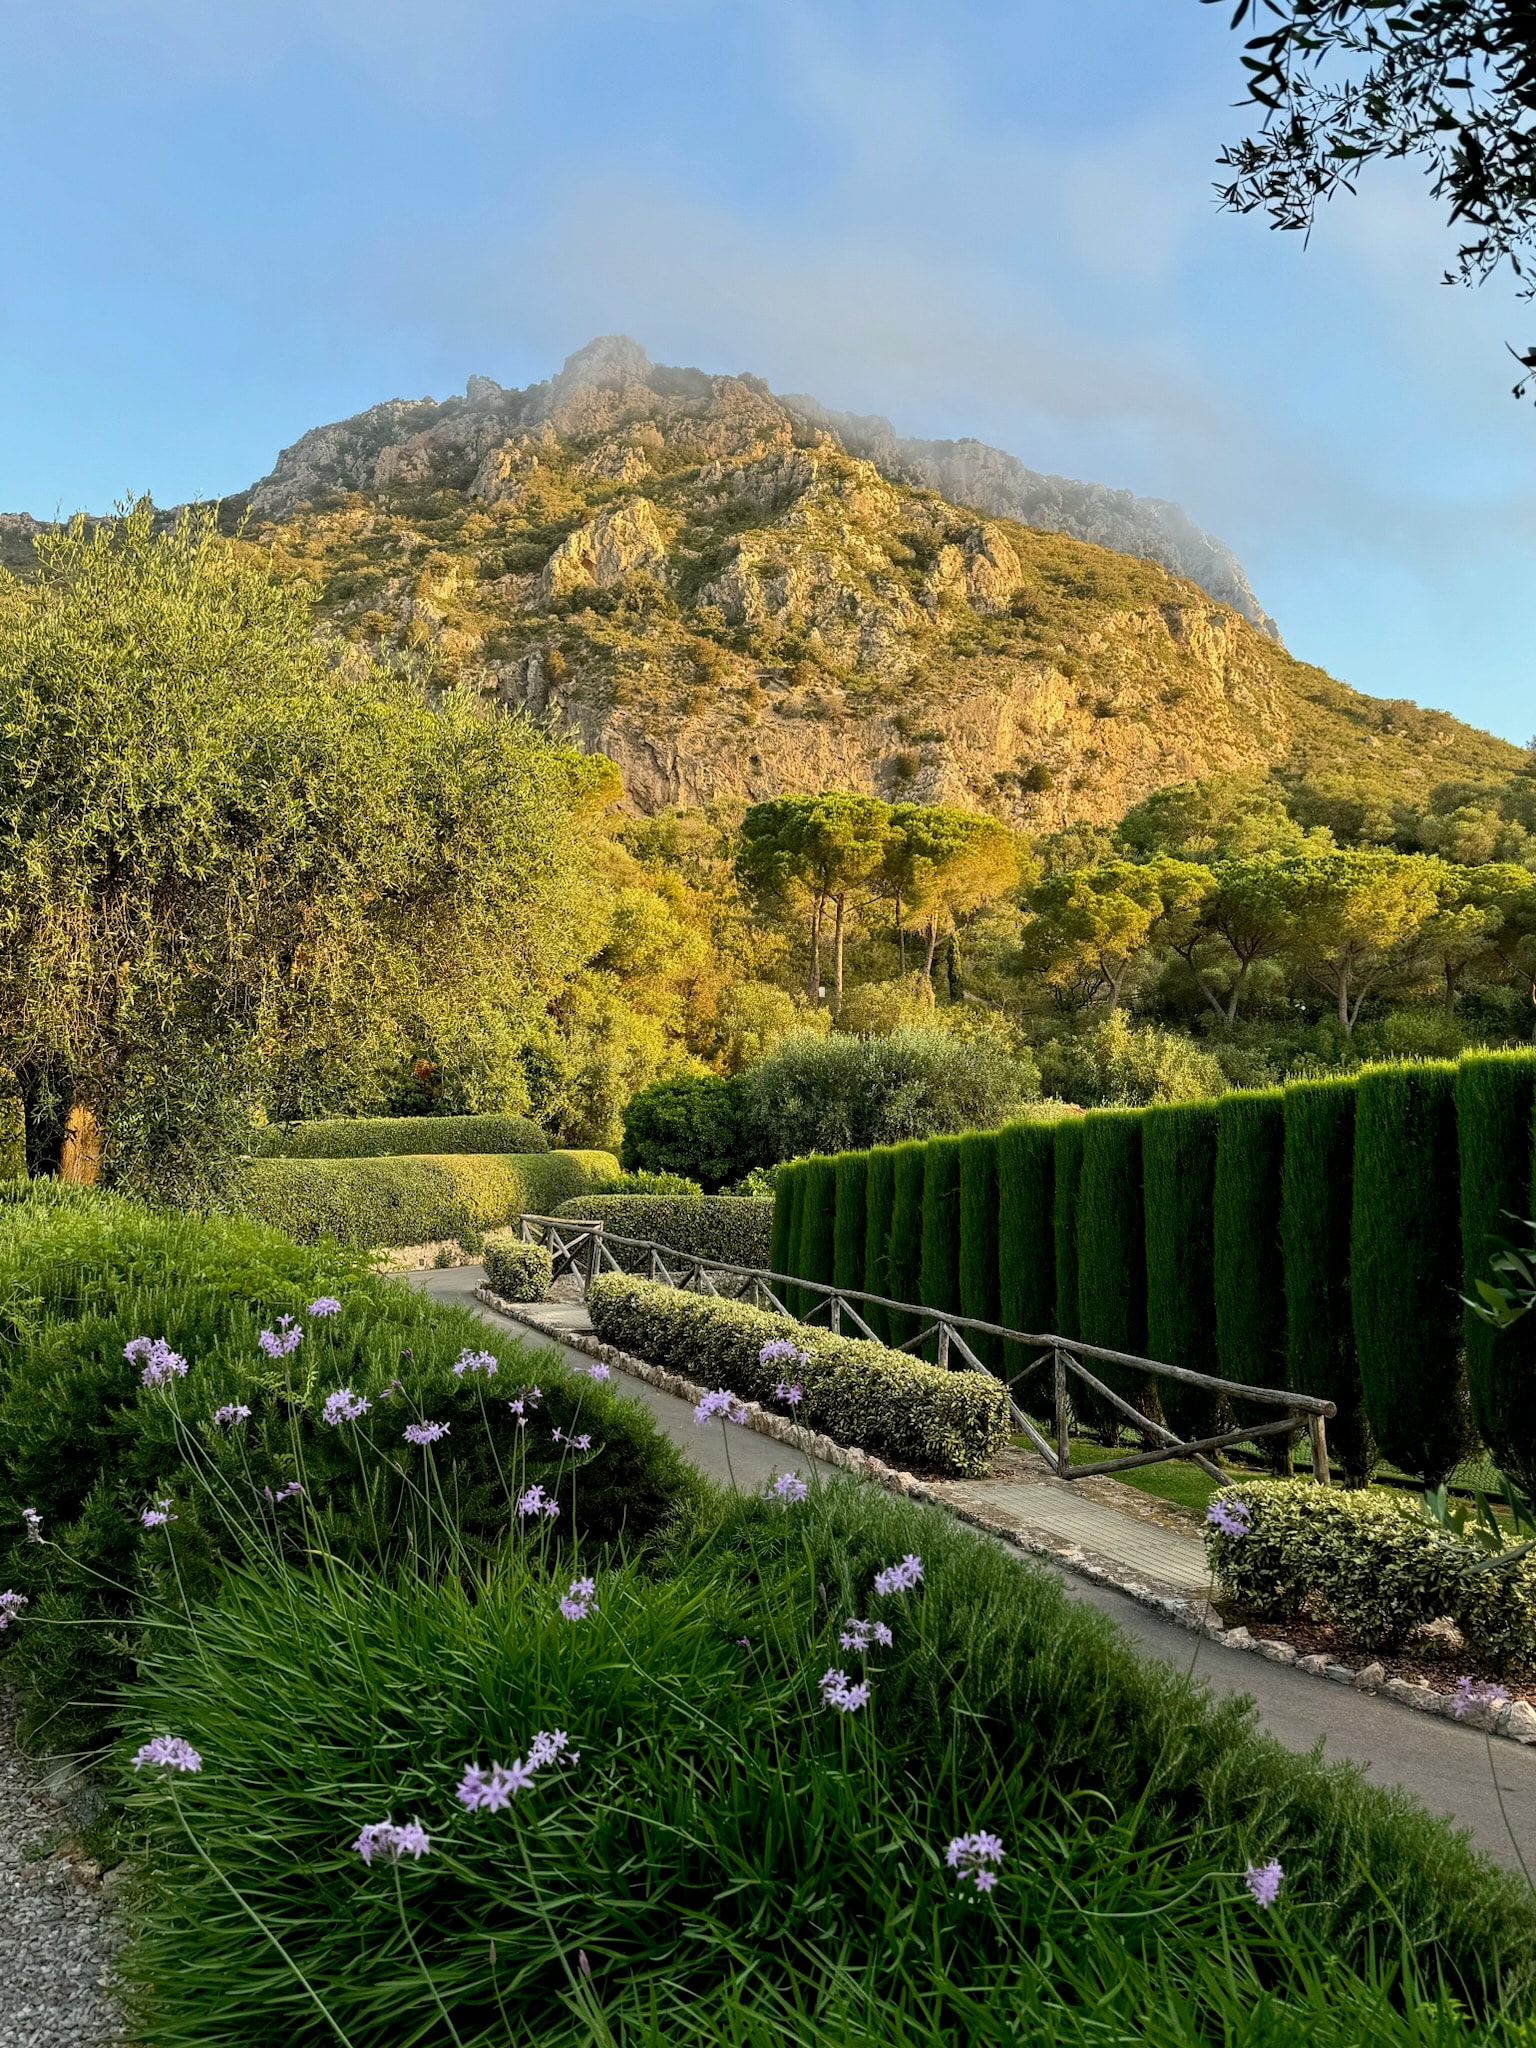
(734, 1228)
(371, 1203)
(860, 1393)
(387, 1137)
(1319, 1237)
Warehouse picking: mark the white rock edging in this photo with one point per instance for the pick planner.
(1514, 1719)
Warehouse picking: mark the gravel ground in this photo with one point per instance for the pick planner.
(57, 1935)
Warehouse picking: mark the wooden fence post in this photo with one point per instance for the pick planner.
(1063, 1412)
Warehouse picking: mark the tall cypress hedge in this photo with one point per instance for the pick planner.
(939, 1273)
(980, 1221)
(905, 1264)
(1066, 1188)
(1249, 1273)
(1495, 1105)
(813, 1253)
(879, 1194)
(1316, 1202)
(1178, 1172)
(1026, 1236)
(1111, 1258)
(781, 1242)
(1405, 1267)
(850, 1176)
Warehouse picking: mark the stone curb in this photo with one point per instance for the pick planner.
(1513, 1719)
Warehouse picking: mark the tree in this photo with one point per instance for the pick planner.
(943, 864)
(1249, 911)
(1222, 817)
(1088, 928)
(218, 849)
(813, 851)
(1450, 84)
(1355, 917)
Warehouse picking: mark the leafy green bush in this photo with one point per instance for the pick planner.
(691, 1124)
(1178, 1151)
(978, 1275)
(725, 1834)
(1115, 1063)
(1495, 1104)
(386, 1137)
(879, 1201)
(1369, 1563)
(732, 1228)
(643, 1183)
(372, 1202)
(519, 1272)
(856, 1391)
(1405, 1267)
(1248, 1276)
(89, 1447)
(1316, 1200)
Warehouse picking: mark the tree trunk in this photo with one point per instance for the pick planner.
(813, 984)
(837, 954)
(80, 1153)
(1344, 1017)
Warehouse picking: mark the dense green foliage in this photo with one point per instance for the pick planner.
(689, 1123)
(1178, 1150)
(1248, 1274)
(1066, 1191)
(978, 1276)
(1111, 1270)
(813, 1250)
(908, 1413)
(13, 1133)
(518, 1272)
(383, 1137)
(879, 1208)
(904, 1260)
(1024, 1238)
(736, 1229)
(1316, 1210)
(1495, 1114)
(401, 1201)
(850, 1219)
(938, 1280)
(1405, 1267)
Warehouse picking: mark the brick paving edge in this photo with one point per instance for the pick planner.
(1514, 1720)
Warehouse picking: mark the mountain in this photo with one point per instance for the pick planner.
(734, 594)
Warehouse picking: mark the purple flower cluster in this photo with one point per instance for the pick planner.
(327, 1305)
(779, 1350)
(537, 1502)
(489, 1791)
(971, 1857)
(172, 1752)
(1231, 1517)
(576, 1443)
(476, 1361)
(865, 1635)
(1472, 1693)
(395, 1386)
(343, 1406)
(790, 1488)
(1263, 1882)
(231, 1413)
(33, 1522)
(837, 1692)
(386, 1839)
(599, 1372)
(288, 1492)
(159, 1362)
(424, 1432)
(721, 1402)
(278, 1343)
(11, 1605)
(157, 1516)
(900, 1578)
(579, 1602)
(791, 1393)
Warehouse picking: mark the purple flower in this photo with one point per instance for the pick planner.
(582, 1442)
(343, 1406)
(424, 1432)
(580, 1600)
(899, 1578)
(278, 1343)
(476, 1361)
(326, 1305)
(34, 1524)
(172, 1752)
(517, 1410)
(160, 1363)
(489, 1791)
(599, 1372)
(1263, 1882)
(1231, 1517)
(970, 1858)
(11, 1605)
(791, 1394)
(862, 1635)
(1472, 1693)
(837, 1692)
(157, 1516)
(547, 1746)
(721, 1402)
(383, 1838)
(537, 1502)
(231, 1413)
(789, 1487)
(779, 1349)
(287, 1492)
(394, 1387)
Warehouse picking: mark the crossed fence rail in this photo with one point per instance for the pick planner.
(586, 1248)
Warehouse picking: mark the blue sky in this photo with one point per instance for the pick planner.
(226, 225)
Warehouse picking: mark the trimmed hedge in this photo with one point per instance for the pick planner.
(369, 1203)
(850, 1175)
(938, 1280)
(1495, 1104)
(1178, 1154)
(1066, 1189)
(781, 1235)
(1248, 1275)
(905, 1263)
(1111, 1262)
(1405, 1267)
(736, 1229)
(906, 1412)
(390, 1137)
(812, 1255)
(1369, 1563)
(1316, 1204)
(519, 1272)
(879, 1202)
(977, 1250)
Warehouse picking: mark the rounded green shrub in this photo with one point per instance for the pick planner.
(371, 1203)
(693, 1124)
(518, 1272)
(735, 1229)
(385, 1137)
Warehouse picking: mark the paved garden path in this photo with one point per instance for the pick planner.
(1486, 1787)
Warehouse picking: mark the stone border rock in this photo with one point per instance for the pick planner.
(1513, 1719)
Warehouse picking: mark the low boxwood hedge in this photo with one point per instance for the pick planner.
(370, 1203)
(734, 1228)
(387, 1137)
(856, 1391)
(1368, 1563)
(518, 1272)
